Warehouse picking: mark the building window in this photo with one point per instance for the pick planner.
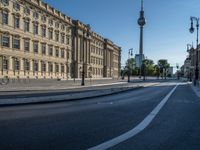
(5, 41)
(26, 45)
(43, 31)
(5, 63)
(68, 40)
(35, 15)
(35, 47)
(35, 28)
(5, 2)
(67, 54)
(63, 27)
(57, 52)
(50, 50)
(50, 67)
(43, 49)
(26, 25)
(16, 43)
(57, 36)
(57, 25)
(5, 17)
(16, 21)
(27, 11)
(62, 38)
(26, 65)
(35, 66)
(63, 53)
(57, 67)
(62, 68)
(50, 34)
(44, 19)
(51, 22)
(16, 64)
(43, 67)
(16, 6)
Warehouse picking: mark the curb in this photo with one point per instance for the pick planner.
(49, 100)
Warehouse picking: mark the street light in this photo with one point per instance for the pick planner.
(192, 29)
(130, 53)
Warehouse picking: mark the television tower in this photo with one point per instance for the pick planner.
(141, 23)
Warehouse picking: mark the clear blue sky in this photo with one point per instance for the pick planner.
(166, 33)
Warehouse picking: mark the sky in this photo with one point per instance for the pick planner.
(166, 33)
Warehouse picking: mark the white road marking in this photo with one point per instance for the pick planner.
(141, 126)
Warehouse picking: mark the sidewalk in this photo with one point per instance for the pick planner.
(71, 96)
(195, 89)
(37, 85)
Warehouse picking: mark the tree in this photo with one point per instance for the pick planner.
(148, 67)
(163, 65)
(157, 71)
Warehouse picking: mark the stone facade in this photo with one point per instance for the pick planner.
(39, 42)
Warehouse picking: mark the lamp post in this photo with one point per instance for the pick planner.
(130, 53)
(192, 19)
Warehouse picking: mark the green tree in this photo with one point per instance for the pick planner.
(163, 65)
(157, 71)
(148, 67)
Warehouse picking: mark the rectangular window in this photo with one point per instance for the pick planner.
(35, 15)
(62, 38)
(62, 69)
(35, 29)
(5, 17)
(35, 66)
(26, 65)
(50, 50)
(43, 49)
(50, 67)
(63, 53)
(5, 2)
(35, 47)
(26, 45)
(57, 36)
(43, 67)
(27, 11)
(16, 43)
(57, 67)
(5, 64)
(50, 34)
(17, 64)
(5, 41)
(68, 40)
(16, 6)
(16, 21)
(43, 31)
(26, 25)
(57, 52)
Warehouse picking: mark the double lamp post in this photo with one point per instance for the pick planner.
(192, 29)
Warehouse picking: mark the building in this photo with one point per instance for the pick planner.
(97, 56)
(40, 42)
(35, 40)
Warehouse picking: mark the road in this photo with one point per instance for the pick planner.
(88, 123)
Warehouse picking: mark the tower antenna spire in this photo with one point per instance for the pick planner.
(142, 5)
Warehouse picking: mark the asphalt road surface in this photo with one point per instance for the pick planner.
(84, 124)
